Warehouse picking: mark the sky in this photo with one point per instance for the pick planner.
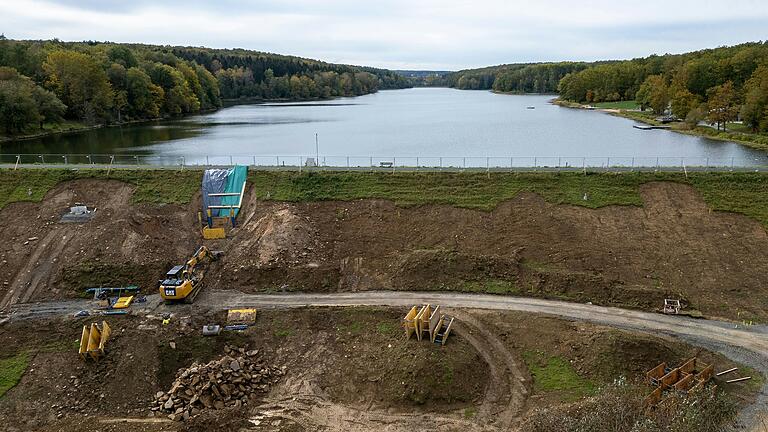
(400, 34)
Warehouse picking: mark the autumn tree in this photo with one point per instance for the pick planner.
(654, 94)
(722, 104)
(81, 84)
(755, 109)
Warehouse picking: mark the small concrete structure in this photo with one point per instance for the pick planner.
(78, 214)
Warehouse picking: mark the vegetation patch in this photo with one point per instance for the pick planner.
(555, 374)
(741, 192)
(11, 370)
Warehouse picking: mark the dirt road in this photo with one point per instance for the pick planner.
(747, 345)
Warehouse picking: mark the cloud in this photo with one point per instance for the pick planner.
(429, 34)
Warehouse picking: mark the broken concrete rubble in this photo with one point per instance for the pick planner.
(230, 381)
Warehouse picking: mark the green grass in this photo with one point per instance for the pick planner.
(745, 193)
(624, 105)
(11, 370)
(152, 186)
(555, 374)
(490, 286)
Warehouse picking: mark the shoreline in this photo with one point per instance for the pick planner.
(225, 103)
(699, 131)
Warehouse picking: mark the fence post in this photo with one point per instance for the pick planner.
(18, 159)
(535, 163)
(207, 162)
(371, 163)
(299, 164)
(511, 164)
(487, 164)
(42, 159)
(65, 159)
(231, 162)
(90, 162)
(277, 161)
(183, 162)
(465, 163)
(347, 163)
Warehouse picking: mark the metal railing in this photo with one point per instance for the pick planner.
(412, 163)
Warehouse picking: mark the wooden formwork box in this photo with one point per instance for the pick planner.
(94, 340)
(670, 379)
(654, 398)
(654, 375)
(685, 384)
(423, 320)
(410, 323)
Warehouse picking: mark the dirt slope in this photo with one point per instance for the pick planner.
(673, 246)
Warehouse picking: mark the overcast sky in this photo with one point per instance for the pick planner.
(400, 34)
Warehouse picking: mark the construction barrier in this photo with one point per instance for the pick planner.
(94, 340)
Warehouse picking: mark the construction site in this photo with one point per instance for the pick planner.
(237, 311)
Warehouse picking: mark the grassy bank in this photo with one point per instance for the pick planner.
(745, 193)
(11, 370)
(625, 109)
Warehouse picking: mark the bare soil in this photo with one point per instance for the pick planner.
(346, 369)
(672, 247)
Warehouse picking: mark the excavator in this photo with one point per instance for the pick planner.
(183, 282)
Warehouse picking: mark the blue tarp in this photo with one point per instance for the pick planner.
(223, 181)
(235, 183)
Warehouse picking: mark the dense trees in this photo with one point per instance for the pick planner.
(101, 83)
(514, 78)
(23, 103)
(755, 109)
(716, 85)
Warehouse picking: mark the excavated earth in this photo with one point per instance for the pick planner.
(353, 369)
(672, 247)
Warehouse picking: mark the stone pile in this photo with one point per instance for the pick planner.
(227, 382)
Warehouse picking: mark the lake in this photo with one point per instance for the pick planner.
(438, 125)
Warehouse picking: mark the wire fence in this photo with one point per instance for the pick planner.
(448, 163)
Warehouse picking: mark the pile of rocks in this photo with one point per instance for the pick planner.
(227, 382)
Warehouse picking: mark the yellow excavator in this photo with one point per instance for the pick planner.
(183, 282)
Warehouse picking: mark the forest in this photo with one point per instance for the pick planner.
(45, 83)
(514, 78)
(719, 85)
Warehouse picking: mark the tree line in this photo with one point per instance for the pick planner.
(719, 85)
(514, 78)
(48, 82)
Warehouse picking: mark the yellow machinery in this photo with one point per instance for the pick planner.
(123, 302)
(183, 282)
(94, 340)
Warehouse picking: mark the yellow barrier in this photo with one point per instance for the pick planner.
(241, 316)
(214, 233)
(123, 302)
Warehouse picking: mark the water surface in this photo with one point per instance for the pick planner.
(429, 123)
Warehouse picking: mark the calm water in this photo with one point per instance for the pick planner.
(428, 123)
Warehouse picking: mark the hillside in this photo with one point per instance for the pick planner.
(48, 85)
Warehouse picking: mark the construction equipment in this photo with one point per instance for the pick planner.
(123, 302)
(428, 320)
(183, 282)
(94, 340)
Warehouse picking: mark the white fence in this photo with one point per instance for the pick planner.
(436, 163)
